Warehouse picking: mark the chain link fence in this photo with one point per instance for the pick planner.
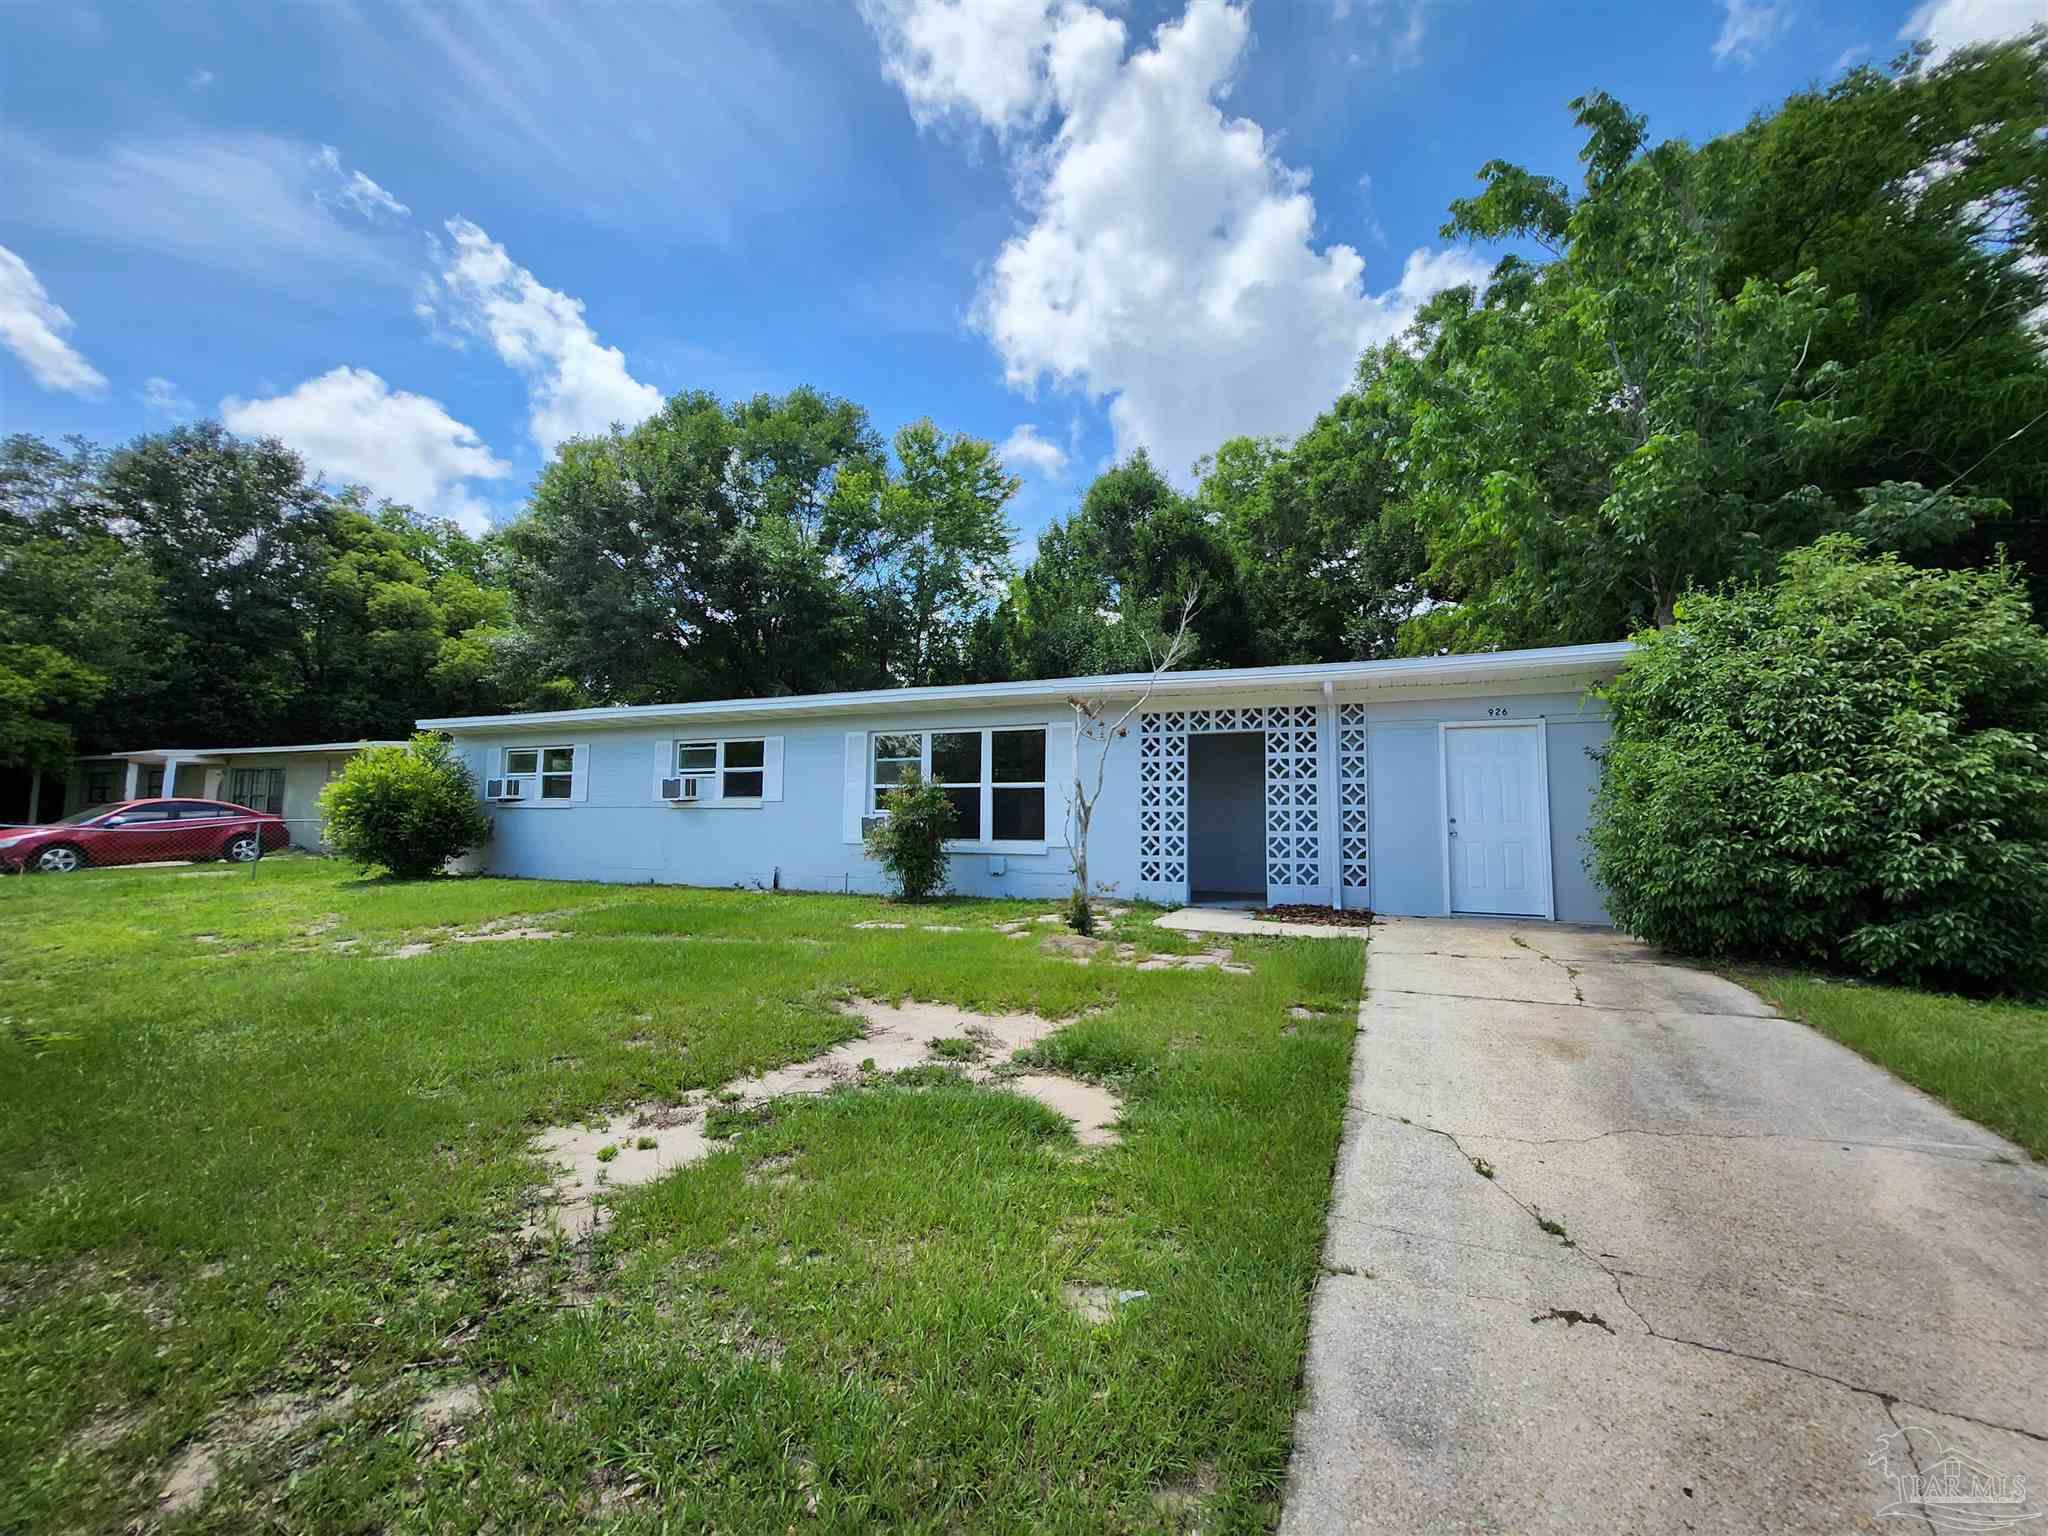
(154, 833)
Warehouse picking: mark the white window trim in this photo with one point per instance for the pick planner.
(718, 770)
(988, 785)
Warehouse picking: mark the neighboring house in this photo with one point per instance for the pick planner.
(1438, 784)
(283, 781)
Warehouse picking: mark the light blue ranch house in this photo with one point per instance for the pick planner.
(1423, 786)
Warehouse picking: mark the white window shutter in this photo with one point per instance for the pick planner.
(579, 777)
(856, 801)
(771, 768)
(1059, 782)
(664, 765)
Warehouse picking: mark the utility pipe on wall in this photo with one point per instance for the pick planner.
(1330, 815)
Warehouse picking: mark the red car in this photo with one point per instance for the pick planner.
(142, 832)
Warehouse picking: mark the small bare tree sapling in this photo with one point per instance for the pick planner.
(1096, 727)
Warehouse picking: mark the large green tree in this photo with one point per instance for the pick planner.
(81, 629)
(928, 544)
(1115, 573)
(1651, 395)
(688, 557)
(203, 590)
(1328, 569)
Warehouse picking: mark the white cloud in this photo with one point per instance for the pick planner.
(1748, 25)
(575, 385)
(982, 60)
(160, 397)
(32, 327)
(353, 427)
(1952, 24)
(202, 80)
(1024, 448)
(1170, 265)
(247, 203)
(357, 190)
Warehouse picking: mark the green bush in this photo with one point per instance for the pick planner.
(910, 842)
(1848, 767)
(408, 809)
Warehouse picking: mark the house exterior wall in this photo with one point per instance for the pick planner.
(619, 830)
(1405, 801)
(304, 777)
(1324, 754)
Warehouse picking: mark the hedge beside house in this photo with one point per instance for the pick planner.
(1847, 768)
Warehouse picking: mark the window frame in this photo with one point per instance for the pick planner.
(719, 769)
(987, 842)
(262, 804)
(540, 773)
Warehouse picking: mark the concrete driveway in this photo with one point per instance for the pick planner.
(1614, 1248)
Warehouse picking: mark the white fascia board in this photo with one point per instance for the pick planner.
(154, 755)
(1579, 664)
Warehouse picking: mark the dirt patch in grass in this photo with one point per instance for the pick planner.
(498, 935)
(441, 1414)
(649, 1140)
(1098, 1303)
(1218, 959)
(106, 1431)
(1092, 1108)
(1082, 949)
(1181, 1503)
(244, 1428)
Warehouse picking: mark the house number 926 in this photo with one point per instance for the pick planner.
(1497, 712)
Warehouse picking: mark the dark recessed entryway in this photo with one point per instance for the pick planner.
(1227, 817)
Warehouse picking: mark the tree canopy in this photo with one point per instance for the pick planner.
(1695, 361)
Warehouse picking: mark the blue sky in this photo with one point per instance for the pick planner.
(423, 241)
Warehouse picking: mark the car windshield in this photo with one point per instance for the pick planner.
(79, 818)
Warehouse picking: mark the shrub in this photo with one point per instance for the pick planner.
(1846, 767)
(910, 842)
(409, 809)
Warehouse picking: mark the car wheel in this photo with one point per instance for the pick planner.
(58, 859)
(244, 848)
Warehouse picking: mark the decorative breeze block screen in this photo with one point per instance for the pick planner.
(1351, 774)
(1292, 854)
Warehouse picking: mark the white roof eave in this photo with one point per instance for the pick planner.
(1578, 665)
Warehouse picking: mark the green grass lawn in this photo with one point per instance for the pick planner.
(246, 1159)
(1986, 1060)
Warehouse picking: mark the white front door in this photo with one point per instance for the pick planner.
(1498, 833)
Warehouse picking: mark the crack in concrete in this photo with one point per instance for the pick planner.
(1544, 1002)
(1954, 1150)
(1571, 972)
(1459, 954)
(1621, 1292)
(1912, 1456)
(1560, 1255)
(1777, 1296)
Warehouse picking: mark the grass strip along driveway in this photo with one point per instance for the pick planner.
(264, 1161)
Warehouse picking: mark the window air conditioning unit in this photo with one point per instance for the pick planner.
(682, 791)
(869, 822)
(504, 789)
